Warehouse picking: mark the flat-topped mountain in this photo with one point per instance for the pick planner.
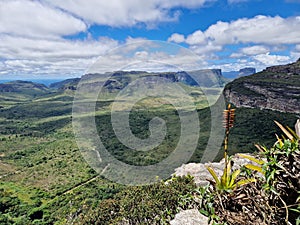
(242, 72)
(115, 81)
(119, 79)
(275, 88)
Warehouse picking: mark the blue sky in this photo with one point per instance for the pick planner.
(61, 39)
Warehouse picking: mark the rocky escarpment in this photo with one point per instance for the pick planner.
(119, 79)
(275, 88)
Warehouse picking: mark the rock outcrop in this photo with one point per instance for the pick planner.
(189, 217)
(275, 88)
(201, 174)
(201, 177)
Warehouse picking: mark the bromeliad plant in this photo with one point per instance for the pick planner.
(281, 170)
(285, 146)
(229, 178)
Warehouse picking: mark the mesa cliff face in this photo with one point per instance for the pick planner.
(115, 81)
(275, 88)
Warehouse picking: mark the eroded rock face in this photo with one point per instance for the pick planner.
(293, 68)
(275, 88)
(274, 98)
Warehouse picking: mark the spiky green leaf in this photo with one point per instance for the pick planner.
(214, 175)
(251, 158)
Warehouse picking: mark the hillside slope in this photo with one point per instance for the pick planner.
(275, 88)
(20, 91)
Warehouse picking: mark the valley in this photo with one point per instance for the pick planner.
(44, 178)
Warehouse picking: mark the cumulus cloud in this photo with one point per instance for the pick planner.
(125, 13)
(206, 49)
(240, 63)
(33, 32)
(255, 50)
(295, 53)
(176, 38)
(33, 35)
(21, 47)
(268, 59)
(149, 56)
(264, 35)
(259, 29)
(65, 58)
(34, 19)
(197, 37)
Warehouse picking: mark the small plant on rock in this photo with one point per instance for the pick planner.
(275, 197)
(229, 179)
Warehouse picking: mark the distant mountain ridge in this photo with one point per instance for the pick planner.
(242, 72)
(276, 88)
(119, 79)
(19, 86)
(65, 84)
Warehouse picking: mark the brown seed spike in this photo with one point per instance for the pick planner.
(228, 117)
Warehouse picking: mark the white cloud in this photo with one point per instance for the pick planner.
(66, 58)
(32, 35)
(149, 56)
(206, 49)
(176, 38)
(196, 38)
(259, 61)
(19, 47)
(255, 50)
(34, 19)
(269, 60)
(295, 53)
(125, 13)
(236, 55)
(54, 56)
(236, 66)
(264, 35)
(260, 29)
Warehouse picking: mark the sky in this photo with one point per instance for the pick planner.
(63, 38)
